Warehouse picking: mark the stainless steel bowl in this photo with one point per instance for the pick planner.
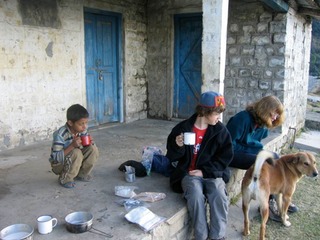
(79, 222)
(17, 232)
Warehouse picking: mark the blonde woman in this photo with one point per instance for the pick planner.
(249, 127)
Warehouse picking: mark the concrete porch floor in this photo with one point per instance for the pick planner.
(29, 189)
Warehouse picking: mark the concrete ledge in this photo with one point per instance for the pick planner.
(312, 124)
(177, 227)
(308, 141)
(234, 185)
(313, 115)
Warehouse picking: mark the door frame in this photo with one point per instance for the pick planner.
(120, 56)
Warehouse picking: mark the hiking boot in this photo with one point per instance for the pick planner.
(292, 208)
(274, 217)
(273, 211)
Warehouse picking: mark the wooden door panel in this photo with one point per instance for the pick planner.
(102, 67)
(91, 73)
(187, 86)
(107, 37)
(91, 86)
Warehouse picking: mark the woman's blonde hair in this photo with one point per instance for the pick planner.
(263, 109)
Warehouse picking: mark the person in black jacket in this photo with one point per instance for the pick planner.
(202, 170)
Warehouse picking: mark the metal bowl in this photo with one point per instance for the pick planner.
(79, 222)
(17, 232)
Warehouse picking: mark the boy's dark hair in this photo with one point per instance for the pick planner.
(76, 112)
(204, 111)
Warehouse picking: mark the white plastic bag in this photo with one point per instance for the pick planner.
(146, 219)
(150, 196)
(125, 191)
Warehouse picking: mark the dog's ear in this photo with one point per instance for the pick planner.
(294, 158)
(311, 157)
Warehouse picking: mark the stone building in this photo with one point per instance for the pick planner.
(127, 60)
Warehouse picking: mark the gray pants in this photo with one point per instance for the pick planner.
(199, 191)
(79, 163)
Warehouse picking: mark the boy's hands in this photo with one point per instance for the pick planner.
(76, 142)
(196, 172)
(179, 140)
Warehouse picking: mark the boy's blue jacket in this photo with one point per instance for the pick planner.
(214, 156)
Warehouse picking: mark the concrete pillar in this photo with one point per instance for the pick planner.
(214, 41)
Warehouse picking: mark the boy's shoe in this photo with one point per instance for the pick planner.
(273, 211)
(274, 217)
(68, 184)
(292, 208)
(87, 178)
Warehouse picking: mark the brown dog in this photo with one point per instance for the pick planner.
(268, 176)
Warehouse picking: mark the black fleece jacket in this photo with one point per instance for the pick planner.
(214, 156)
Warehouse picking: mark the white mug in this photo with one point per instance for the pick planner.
(189, 138)
(46, 224)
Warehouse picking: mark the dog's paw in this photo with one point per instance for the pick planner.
(287, 223)
(246, 232)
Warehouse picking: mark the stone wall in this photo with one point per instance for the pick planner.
(43, 70)
(297, 37)
(267, 53)
(254, 61)
(40, 72)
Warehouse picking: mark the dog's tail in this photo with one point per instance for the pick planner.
(262, 156)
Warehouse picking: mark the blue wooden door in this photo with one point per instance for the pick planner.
(187, 64)
(102, 67)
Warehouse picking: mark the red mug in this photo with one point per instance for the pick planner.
(86, 140)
